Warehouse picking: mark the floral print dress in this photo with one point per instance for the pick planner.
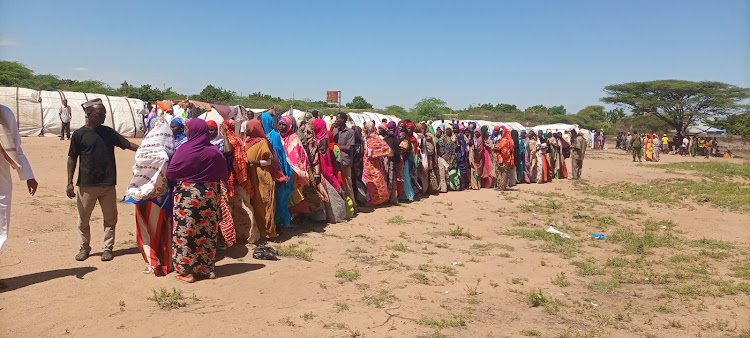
(196, 227)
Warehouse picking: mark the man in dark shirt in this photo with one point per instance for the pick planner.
(94, 145)
(344, 137)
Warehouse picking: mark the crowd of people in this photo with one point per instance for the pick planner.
(651, 146)
(199, 186)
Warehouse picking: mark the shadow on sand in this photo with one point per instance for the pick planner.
(232, 269)
(18, 282)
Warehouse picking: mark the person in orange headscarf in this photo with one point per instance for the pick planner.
(239, 187)
(649, 147)
(504, 152)
(375, 150)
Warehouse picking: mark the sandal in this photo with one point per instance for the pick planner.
(149, 270)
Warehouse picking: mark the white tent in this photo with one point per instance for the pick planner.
(37, 111)
(490, 124)
(556, 127)
(354, 118)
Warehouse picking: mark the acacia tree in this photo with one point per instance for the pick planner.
(430, 108)
(678, 102)
(359, 102)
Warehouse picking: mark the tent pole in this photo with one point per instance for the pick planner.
(41, 111)
(111, 112)
(18, 113)
(135, 127)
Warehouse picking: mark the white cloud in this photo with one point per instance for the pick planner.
(6, 41)
(80, 69)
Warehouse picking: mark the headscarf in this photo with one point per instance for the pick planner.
(218, 140)
(180, 138)
(295, 152)
(485, 132)
(392, 141)
(254, 133)
(374, 146)
(479, 147)
(412, 138)
(197, 161)
(238, 173)
(319, 128)
(149, 182)
(505, 145)
(274, 139)
(393, 125)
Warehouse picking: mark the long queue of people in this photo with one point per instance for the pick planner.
(650, 146)
(200, 185)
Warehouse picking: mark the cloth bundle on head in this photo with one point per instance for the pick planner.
(197, 160)
(149, 182)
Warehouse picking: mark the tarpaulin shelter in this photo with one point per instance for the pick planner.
(37, 112)
(212, 115)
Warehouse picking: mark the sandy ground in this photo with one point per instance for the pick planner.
(406, 265)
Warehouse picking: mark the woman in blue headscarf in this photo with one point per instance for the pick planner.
(462, 153)
(285, 189)
(178, 129)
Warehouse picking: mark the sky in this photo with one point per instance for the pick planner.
(390, 52)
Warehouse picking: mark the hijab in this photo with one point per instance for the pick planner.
(374, 145)
(197, 161)
(239, 163)
(254, 133)
(274, 139)
(180, 138)
(218, 140)
(392, 141)
(319, 128)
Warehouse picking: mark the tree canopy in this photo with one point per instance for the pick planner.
(430, 108)
(678, 102)
(359, 102)
(557, 110)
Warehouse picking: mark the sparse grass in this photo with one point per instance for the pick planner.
(634, 243)
(420, 278)
(682, 258)
(397, 220)
(340, 326)
(458, 320)
(448, 270)
(308, 316)
(380, 298)
(663, 309)
(709, 243)
(460, 232)
(536, 298)
(294, 251)
(714, 169)
(605, 221)
(728, 195)
(617, 262)
(561, 280)
(531, 333)
(520, 224)
(552, 243)
(518, 280)
(473, 290)
(606, 286)
(347, 275)
(742, 271)
(586, 268)
(473, 301)
(341, 306)
(400, 247)
(168, 300)
(718, 255)
(674, 323)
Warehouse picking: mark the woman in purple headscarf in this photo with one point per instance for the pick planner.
(196, 169)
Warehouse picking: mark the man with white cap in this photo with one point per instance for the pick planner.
(12, 157)
(94, 146)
